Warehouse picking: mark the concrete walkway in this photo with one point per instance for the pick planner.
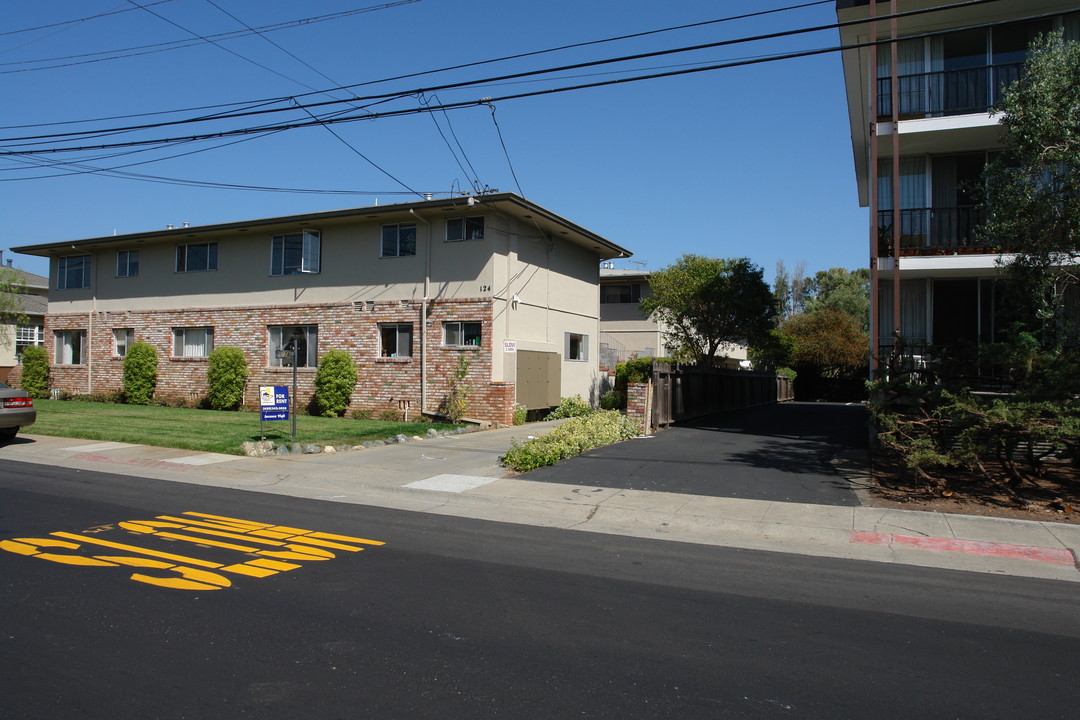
(461, 476)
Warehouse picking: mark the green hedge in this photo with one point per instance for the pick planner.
(571, 438)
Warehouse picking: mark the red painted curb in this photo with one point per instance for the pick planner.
(1055, 556)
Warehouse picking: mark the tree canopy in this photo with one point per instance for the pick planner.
(1033, 186)
(706, 303)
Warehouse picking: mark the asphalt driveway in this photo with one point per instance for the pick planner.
(781, 453)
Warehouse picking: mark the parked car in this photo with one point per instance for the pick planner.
(16, 411)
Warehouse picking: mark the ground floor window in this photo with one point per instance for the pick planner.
(122, 340)
(289, 341)
(70, 347)
(577, 347)
(28, 335)
(461, 333)
(193, 341)
(395, 339)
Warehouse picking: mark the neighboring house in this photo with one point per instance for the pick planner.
(920, 151)
(407, 289)
(627, 333)
(32, 302)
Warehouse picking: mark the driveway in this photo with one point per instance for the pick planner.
(781, 453)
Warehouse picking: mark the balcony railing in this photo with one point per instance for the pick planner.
(950, 92)
(933, 231)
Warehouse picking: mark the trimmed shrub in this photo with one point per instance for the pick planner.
(612, 400)
(335, 381)
(521, 414)
(35, 371)
(226, 376)
(140, 373)
(570, 407)
(573, 437)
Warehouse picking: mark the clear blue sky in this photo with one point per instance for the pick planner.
(752, 161)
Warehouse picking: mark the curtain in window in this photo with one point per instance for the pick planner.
(912, 199)
(912, 312)
(910, 75)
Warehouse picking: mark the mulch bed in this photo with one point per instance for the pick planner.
(1055, 497)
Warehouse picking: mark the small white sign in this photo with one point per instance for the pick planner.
(510, 346)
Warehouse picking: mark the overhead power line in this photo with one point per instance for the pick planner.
(83, 135)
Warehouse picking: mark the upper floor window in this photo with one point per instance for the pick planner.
(295, 253)
(293, 341)
(73, 271)
(70, 347)
(196, 257)
(193, 341)
(122, 340)
(395, 339)
(127, 263)
(398, 240)
(465, 229)
(620, 293)
(461, 333)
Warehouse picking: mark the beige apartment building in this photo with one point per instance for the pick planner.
(407, 289)
(32, 303)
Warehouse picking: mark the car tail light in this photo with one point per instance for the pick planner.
(23, 402)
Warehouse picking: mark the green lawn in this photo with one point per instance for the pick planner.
(204, 430)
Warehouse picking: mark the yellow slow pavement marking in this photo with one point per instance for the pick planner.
(274, 544)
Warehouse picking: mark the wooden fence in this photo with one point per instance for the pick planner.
(682, 392)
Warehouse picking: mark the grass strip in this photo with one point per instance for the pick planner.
(204, 430)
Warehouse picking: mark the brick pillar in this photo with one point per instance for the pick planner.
(637, 404)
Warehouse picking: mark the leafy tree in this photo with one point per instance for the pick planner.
(226, 375)
(335, 381)
(789, 290)
(1033, 186)
(847, 291)
(35, 371)
(706, 303)
(140, 373)
(828, 340)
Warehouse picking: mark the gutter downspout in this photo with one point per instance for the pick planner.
(424, 314)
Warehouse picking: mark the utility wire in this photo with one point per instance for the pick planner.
(502, 142)
(116, 11)
(517, 96)
(180, 44)
(533, 73)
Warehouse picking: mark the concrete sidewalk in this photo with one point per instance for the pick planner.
(461, 476)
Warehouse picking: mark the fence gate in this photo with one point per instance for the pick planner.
(683, 392)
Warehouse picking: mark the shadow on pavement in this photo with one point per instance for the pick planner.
(781, 453)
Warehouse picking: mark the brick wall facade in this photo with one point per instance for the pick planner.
(385, 383)
(637, 404)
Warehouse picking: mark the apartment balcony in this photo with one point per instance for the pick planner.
(945, 93)
(934, 231)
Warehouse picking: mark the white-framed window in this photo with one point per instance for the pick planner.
(469, 228)
(127, 263)
(295, 253)
(70, 347)
(196, 257)
(620, 293)
(122, 340)
(577, 347)
(395, 339)
(284, 340)
(72, 272)
(398, 240)
(193, 341)
(461, 333)
(27, 335)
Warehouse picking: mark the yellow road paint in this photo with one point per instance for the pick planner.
(32, 547)
(275, 544)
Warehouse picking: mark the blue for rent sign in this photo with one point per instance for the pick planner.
(274, 402)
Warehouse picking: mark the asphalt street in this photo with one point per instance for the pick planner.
(460, 618)
(781, 453)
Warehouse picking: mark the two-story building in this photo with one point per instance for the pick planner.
(31, 302)
(922, 131)
(627, 333)
(407, 289)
